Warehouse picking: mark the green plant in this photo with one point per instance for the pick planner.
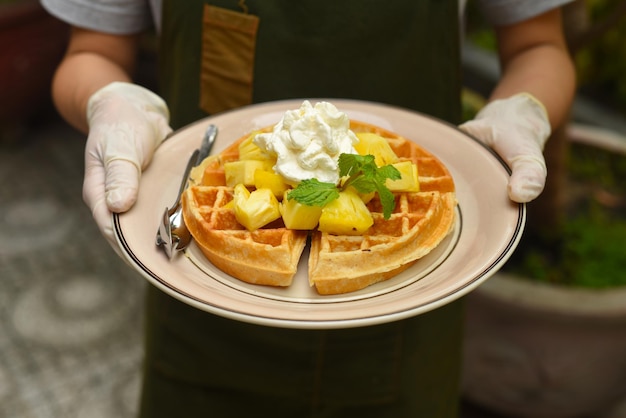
(583, 244)
(600, 53)
(599, 50)
(590, 249)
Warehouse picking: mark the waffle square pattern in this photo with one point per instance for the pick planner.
(337, 263)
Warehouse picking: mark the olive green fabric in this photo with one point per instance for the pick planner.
(201, 365)
(405, 53)
(198, 364)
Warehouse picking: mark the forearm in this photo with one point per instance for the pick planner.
(85, 69)
(535, 59)
(547, 73)
(77, 78)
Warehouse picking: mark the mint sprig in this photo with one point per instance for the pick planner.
(312, 192)
(363, 174)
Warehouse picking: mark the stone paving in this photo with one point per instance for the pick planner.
(70, 309)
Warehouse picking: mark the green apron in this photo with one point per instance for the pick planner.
(198, 364)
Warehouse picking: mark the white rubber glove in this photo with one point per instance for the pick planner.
(126, 125)
(517, 128)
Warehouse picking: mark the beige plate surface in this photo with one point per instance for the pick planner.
(487, 230)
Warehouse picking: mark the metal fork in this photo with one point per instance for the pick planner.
(172, 234)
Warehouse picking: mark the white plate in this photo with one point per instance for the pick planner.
(487, 230)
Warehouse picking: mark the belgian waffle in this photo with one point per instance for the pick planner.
(337, 263)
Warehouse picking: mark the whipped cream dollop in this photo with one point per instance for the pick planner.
(307, 142)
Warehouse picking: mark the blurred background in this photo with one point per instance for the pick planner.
(71, 310)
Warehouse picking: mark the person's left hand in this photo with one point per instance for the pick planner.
(517, 128)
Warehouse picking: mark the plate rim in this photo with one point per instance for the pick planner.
(451, 295)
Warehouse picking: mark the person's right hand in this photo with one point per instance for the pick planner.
(126, 125)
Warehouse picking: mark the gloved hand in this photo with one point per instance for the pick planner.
(126, 125)
(517, 128)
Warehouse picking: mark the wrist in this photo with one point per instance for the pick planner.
(132, 93)
(521, 112)
(533, 102)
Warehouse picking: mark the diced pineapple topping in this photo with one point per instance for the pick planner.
(242, 171)
(365, 197)
(255, 209)
(268, 179)
(298, 216)
(197, 173)
(248, 150)
(409, 182)
(346, 215)
(373, 144)
(212, 175)
(229, 205)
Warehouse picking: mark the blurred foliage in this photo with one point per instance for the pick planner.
(589, 250)
(591, 247)
(601, 63)
(471, 103)
(600, 60)
(477, 30)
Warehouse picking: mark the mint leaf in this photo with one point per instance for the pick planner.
(312, 192)
(363, 174)
(387, 199)
(364, 184)
(388, 172)
(352, 164)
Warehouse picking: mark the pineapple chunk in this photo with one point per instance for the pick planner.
(248, 150)
(212, 175)
(373, 144)
(242, 172)
(299, 216)
(409, 182)
(346, 215)
(365, 197)
(197, 173)
(229, 205)
(255, 209)
(268, 179)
